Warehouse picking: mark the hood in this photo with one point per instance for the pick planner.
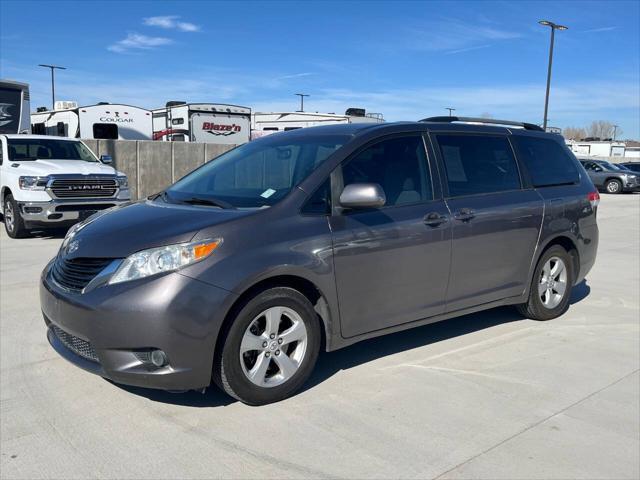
(127, 229)
(51, 167)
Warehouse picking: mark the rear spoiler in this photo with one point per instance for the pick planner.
(489, 121)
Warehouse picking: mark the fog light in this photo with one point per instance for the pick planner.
(32, 209)
(158, 358)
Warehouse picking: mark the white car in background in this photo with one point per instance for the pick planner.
(50, 182)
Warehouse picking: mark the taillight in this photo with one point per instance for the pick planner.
(594, 199)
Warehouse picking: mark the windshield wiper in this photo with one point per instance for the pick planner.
(206, 201)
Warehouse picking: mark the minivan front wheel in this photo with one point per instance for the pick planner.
(270, 348)
(550, 291)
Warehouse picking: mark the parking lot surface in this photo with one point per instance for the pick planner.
(489, 395)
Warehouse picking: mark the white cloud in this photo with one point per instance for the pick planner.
(295, 75)
(135, 41)
(600, 29)
(171, 22)
(453, 36)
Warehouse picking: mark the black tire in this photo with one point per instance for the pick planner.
(534, 308)
(228, 372)
(613, 186)
(13, 222)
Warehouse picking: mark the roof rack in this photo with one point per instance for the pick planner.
(491, 121)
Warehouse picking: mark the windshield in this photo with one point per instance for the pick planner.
(22, 149)
(622, 168)
(257, 174)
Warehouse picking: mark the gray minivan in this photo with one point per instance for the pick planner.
(244, 269)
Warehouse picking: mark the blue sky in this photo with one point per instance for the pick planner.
(407, 60)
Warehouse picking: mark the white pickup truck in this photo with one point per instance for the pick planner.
(51, 182)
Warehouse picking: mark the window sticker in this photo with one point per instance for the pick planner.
(267, 193)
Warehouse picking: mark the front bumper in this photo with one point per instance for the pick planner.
(55, 212)
(116, 323)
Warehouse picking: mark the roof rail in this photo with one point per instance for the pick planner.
(491, 121)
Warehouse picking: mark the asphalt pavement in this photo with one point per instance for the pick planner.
(489, 395)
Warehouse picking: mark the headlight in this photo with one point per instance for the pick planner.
(33, 183)
(122, 181)
(163, 259)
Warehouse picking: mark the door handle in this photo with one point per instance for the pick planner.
(434, 219)
(464, 214)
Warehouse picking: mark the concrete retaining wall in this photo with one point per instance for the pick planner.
(152, 166)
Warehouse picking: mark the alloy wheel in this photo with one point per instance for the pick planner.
(553, 282)
(8, 216)
(613, 187)
(273, 346)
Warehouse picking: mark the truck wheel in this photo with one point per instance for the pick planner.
(270, 348)
(550, 291)
(613, 186)
(13, 223)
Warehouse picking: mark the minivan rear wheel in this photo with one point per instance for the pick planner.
(270, 348)
(550, 291)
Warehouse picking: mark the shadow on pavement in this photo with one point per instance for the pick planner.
(330, 363)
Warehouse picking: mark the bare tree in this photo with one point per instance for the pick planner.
(601, 129)
(574, 133)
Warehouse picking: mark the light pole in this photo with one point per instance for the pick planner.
(615, 129)
(53, 83)
(553, 27)
(302, 95)
(450, 110)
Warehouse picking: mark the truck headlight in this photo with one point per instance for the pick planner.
(33, 183)
(163, 259)
(123, 182)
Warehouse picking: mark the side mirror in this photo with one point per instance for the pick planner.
(362, 195)
(597, 169)
(106, 159)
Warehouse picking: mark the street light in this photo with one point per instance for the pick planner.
(53, 86)
(553, 27)
(615, 129)
(302, 95)
(450, 110)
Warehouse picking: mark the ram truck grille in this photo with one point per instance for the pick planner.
(83, 187)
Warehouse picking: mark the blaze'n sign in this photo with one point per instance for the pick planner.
(219, 129)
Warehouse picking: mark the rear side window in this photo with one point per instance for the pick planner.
(478, 164)
(547, 162)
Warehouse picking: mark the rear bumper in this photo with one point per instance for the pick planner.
(116, 323)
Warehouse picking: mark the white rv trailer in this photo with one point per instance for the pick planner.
(266, 123)
(14, 107)
(202, 122)
(101, 121)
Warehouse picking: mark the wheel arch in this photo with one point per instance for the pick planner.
(617, 179)
(303, 285)
(568, 244)
(3, 194)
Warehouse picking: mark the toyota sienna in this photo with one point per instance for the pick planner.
(240, 272)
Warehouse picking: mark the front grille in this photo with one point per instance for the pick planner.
(77, 273)
(92, 187)
(76, 345)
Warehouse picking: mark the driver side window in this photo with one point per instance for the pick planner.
(398, 165)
